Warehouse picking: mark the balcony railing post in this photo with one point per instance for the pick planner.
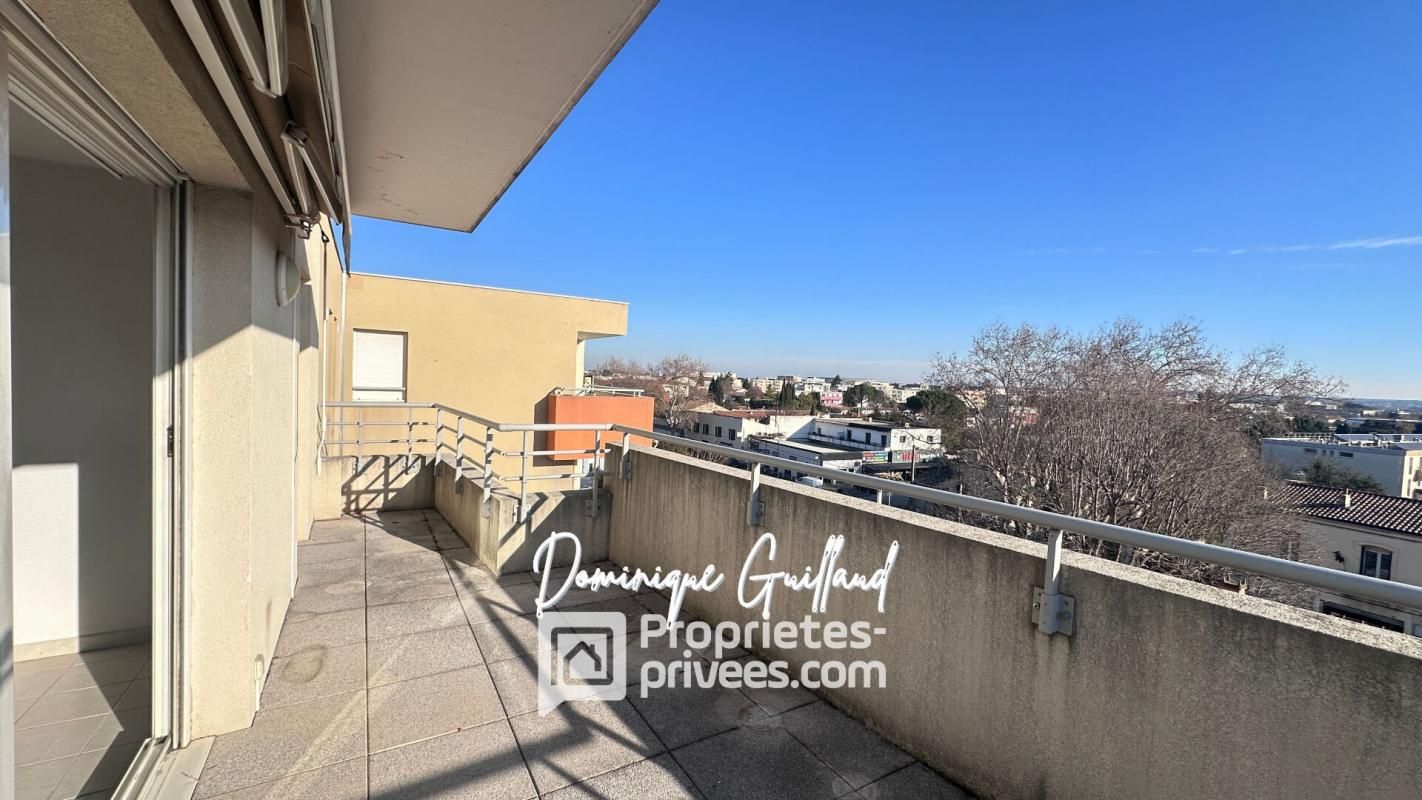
(755, 507)
(488, 469)
(458, 448)
(523, 478)
(410, 438)
(596, 475)
(1053, 611)
(438, 433)
(625, 468)
(360, 430)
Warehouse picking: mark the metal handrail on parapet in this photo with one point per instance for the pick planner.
(481, 435)
(1319, 577)
(1052, 611)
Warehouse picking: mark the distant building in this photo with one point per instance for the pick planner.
(1394, 460)
(899, 443)
(810, 452)
(1368, 534)
(733, 427)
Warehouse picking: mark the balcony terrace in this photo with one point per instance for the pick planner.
(1014, 669)
(405, 670)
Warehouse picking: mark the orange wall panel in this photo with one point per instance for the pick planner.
(576, 409)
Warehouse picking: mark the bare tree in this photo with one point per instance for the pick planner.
(1130, 426)
(677, 384)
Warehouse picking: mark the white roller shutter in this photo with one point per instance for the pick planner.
(378, 368)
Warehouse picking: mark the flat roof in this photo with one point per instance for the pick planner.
(826, 451)
(487, 288)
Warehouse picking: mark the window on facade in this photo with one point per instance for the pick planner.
(733, 435)
(1376, 563)
(718, 431)
(1310, 449)
(378, 366)
(1345, 454)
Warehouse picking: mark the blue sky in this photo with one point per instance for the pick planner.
(839, 187)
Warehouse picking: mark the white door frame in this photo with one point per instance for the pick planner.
(44, 77)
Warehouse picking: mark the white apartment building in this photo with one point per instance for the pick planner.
(900, 443)
(1369, 534)
(1393, 460)
(733, 427)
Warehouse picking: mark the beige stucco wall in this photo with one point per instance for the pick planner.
(255, 377)
(493, 352)
(1167, 689)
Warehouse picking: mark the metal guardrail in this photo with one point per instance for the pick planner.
(481, 436)
(1307, 574)
(1052, 611)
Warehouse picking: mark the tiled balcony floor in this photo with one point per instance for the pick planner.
(405, 671)
(79, 721)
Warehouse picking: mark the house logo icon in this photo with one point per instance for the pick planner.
(581, 656)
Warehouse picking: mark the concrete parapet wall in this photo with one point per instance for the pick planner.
(352, 485)
(1167, 689)
(503, 542)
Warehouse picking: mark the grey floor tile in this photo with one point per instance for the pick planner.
(310, 554)
(314, 673)
(96, 771)
(654, 779)
(334, 531)
(403, 563)
(581, 740)
(286, 741)
(121, 727)
(303, 631)
(395, 545)
(100, 673)
(385, 589)
(480, 763)
(658, 649)
(22, 704)
(36, 682)
(37, 781)
(449, 541)
(47, 663)
(420, 708)
(110, 653)
(138, 694)
(345, 569)
(343, 781)
(470, 574)
(507, 637)
(64, 706)
(859, 755)
(400, 619)
(747, 764)
(916, 782)
(777, 700)
(499, 601)
(517, 682)
(400, 658)
(682, 715)
(48, 742)
(323, 598)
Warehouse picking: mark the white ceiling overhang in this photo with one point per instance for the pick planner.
(443, 102)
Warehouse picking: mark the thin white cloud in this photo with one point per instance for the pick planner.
(1374, 243)
(1379, 242)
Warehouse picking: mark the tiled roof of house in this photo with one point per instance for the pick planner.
(1382, 511)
